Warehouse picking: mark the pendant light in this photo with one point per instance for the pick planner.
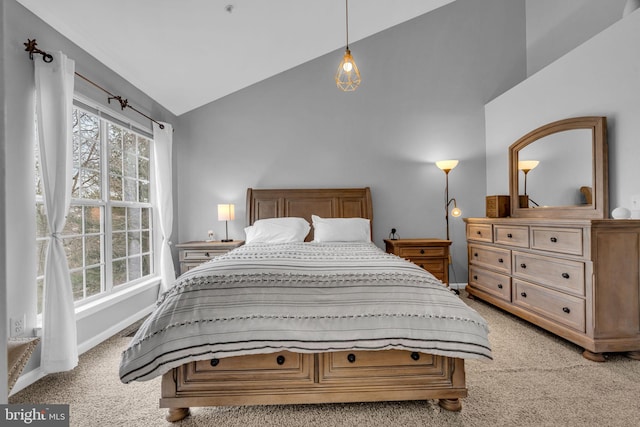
(348, 75)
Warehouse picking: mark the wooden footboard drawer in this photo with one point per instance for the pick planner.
(357, 367)
(260, 370)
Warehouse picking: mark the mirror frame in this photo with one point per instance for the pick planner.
(599, 209)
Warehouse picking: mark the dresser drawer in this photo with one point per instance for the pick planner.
(562, 308)
(496, 258)
(561, 274)
(496, 284)
(511, 235)
(563, 240)
(480, 232)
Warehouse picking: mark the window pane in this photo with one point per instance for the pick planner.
(115, 187)
(93, 248)
(143, 147)
(74, 221)
(42, 227)
(115, 151)
(146, 265)
(133, 218)
(90, 154)
(89, 125)
(130, 190)
(134, 243)
(145, 218)
(143, 169)
(41, 254)
(130, 165)
(135, 268)
(119, 248)
(93, 280)
(90, 184)
(77, 284)
(119, 272)
(73, 249)
(143, 192)
(92, 219)
(118, 218)
(145, 241)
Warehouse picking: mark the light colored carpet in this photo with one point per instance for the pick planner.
(536, 379)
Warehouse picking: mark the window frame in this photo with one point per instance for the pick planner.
(107, 288)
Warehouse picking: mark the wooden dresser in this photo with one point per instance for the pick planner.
(579, 279)
(430, 254)
(192, 254)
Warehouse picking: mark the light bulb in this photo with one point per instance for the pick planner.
(347, 66)
(456, 212)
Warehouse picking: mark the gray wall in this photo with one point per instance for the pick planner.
(18, 25)
(555, 27)
(3, 227)
(424, 86)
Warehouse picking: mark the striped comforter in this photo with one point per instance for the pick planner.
(302, 297)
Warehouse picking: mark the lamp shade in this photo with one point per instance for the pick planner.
(226, 212)
(527, 165)
(446, 165)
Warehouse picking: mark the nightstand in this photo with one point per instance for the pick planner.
(430, 254)
(192, 254)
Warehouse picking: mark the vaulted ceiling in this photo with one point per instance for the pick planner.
(187, 53)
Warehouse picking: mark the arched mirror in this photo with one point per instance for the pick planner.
(560, 170)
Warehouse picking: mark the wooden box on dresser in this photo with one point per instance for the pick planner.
(579, 279)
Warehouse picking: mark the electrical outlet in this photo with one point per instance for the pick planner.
(635, 203)
(17, 325)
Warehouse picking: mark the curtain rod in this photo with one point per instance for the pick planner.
(124, 103)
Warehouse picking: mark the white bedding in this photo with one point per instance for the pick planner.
(303, 297)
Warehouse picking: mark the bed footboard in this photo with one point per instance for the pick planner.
(295, 378)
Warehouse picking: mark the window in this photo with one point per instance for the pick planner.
(108, 233)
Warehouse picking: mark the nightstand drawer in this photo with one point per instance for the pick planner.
(200, 254)
(480, 232)
(563, 240)
(495, 258)
(422, 252)
(511, 235)
(431, 265)
(561, 274)
(553, 305)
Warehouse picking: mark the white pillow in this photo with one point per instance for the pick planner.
(341, 229)
(277, 230)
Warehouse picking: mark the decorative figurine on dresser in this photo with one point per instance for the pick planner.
(559, 263)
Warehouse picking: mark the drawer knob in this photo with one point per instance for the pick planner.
(565, 275)
(422, 251)
(523, 265)
(207, 254)
(499, 285)
(566, 309)
(509, 235)
(475, 277)
(415, 356)
(475, 254)
(421, 265)
(214, 362)
(351, 357)
(280, 360)
(554, 239)
(500, 260)
(479, 232)
(523, 294)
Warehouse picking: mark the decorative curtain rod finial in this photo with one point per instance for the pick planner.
(31, 48)
(124, 103)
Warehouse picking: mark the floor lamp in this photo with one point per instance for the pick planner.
(446, 166)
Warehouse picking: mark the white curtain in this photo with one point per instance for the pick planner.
(163, 139)
(54, 104)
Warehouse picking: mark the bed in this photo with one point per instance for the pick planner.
(319, 321)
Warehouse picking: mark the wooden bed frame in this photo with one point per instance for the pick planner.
(294, 378)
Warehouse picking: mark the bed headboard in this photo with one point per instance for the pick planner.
(324, 202)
